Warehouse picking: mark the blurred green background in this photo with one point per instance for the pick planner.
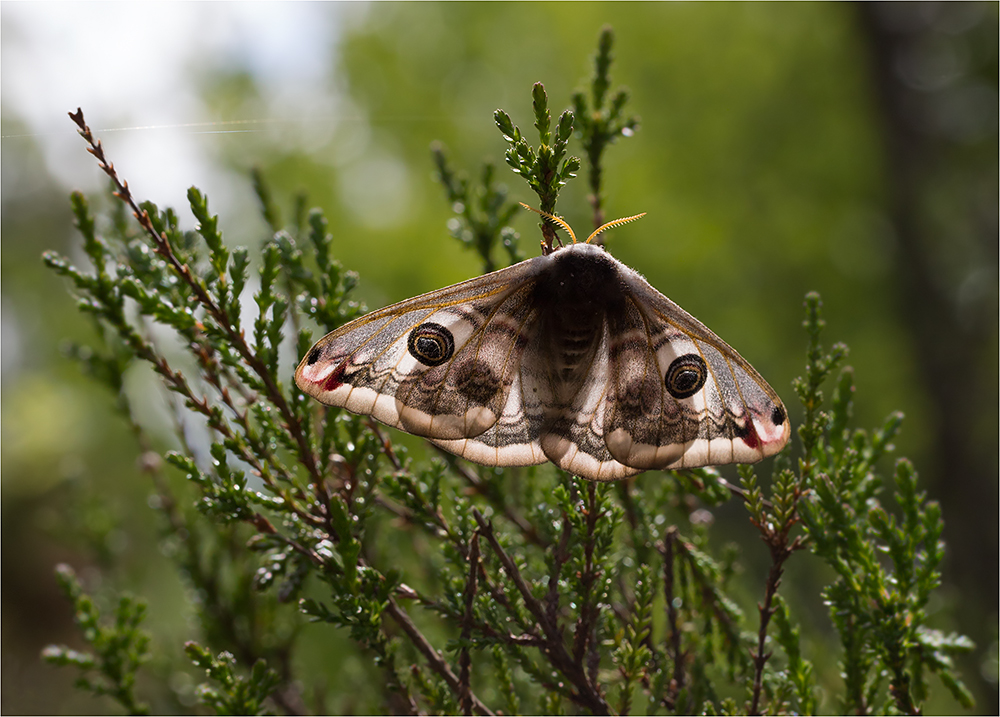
(848, 149)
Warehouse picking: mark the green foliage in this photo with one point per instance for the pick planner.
(602, 122)
(633, 654)
(483, 213)
(475, 590)
(118, 648)
(238, 695)
(545, 169)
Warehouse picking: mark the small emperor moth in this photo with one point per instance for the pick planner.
(570, 357)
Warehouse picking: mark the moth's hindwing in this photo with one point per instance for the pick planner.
(644, 428)
(514, 439)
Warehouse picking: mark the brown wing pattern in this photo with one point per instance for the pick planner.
(369, 365)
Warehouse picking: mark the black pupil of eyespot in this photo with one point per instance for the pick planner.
(686, 379)
(430, 347)
(686, 376)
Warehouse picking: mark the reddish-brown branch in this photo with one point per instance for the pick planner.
(674, 634)
(781, 550)
(464, 661)
(553, 646)
(559, 557)
(587, 619)
(236, 337)
(434, 659)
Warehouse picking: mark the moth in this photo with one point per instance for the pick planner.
(570, 357)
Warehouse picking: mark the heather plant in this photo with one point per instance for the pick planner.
(474, 590)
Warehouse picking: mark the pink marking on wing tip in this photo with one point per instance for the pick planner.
(333, 381)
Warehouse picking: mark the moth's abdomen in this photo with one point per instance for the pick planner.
(573, 350)
(574, 296)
